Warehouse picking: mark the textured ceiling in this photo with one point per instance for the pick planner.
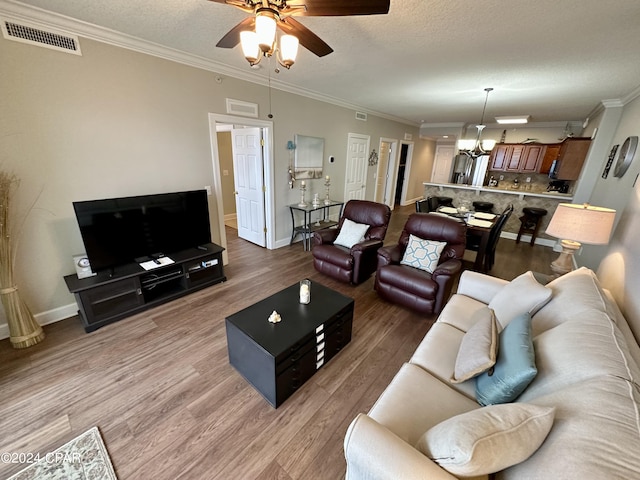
(427, 60)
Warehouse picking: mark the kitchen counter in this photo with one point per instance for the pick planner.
(501, 199)
(521, 192)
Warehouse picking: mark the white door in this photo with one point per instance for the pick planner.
(442, 164)
(356, 172)
(247, 170)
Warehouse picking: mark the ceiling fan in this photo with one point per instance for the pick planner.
(269, 15)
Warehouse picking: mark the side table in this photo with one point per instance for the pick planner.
(308, 226)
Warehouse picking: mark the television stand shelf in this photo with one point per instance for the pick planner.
(111, 296)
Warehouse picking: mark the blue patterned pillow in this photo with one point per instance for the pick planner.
(422, 254)
(515, 367)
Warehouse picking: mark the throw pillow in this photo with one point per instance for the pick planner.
(487, 440)
(351, 233)
(515, 366)
(522, 294)
(422, 254)
(479, 347)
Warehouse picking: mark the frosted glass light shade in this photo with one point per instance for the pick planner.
(250, 48)
(582, 223)
(288, 49)
(266, 32)
(488, 144)
(466, 144)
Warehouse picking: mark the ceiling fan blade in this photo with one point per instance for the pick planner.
(232, 38)
(306, 37)
(236, 3)
(334, 8)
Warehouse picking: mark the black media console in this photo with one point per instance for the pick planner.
(129, 289)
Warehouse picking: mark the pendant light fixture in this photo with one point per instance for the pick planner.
(478, 147)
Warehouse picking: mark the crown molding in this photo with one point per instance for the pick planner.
(45, 18)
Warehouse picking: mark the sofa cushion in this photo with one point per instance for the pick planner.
(515, 367)
(351, 233)
(479, 347)
(422, 254)
(488, 439)
(424, 402)
(595, 434)
(522, 294)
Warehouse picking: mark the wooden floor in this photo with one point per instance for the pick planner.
(169, 406)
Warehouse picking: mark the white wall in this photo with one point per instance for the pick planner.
(114, 122)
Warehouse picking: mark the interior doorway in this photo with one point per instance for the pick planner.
(404, 169)
(266, 179)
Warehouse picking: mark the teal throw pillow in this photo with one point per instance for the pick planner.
(422, 254)
(515, 366)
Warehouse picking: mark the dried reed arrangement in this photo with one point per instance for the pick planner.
(24, 331)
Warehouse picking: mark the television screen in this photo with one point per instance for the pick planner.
(117, 231)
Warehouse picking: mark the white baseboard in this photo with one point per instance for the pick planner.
(545, 242)
(230, 216)
(45, 318)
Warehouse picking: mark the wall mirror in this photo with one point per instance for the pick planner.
(309, 155)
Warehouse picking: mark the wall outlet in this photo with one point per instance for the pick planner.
(501, 177)
(528, 180)
(208, 189)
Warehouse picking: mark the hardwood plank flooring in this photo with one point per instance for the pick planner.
(168, 404)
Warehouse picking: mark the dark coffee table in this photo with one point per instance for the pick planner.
(278, 358)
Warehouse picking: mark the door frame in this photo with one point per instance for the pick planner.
(268, 174)
(391, 168)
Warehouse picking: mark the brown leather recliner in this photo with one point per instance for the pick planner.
(414, 288)
(357, 264)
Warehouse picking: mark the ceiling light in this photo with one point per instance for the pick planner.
(476, 148)
(513, 119)
(263, 41)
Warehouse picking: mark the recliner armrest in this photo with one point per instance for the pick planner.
(389, 255)
(327, 235)
(366, 245)
(448, 268)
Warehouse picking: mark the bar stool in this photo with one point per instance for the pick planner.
(486, 207)
(530, 222)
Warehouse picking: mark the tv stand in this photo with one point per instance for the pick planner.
(123, 291)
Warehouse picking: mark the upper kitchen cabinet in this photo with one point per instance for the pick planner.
(551, 153)
(517, 157)
(573, 152)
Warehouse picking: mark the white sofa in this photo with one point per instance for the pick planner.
(588, 369)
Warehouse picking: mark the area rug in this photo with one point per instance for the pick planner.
(83, 458)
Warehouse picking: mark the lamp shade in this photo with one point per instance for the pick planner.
(582, 223)
(288, 49)
(265, 30)
(250, 47)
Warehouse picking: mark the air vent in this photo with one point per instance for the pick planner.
(36, 35)
(238, 107)
(361, 116)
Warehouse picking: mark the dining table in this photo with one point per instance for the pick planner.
(479, 224)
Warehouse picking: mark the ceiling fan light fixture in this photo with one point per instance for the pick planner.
(288, 50)
(266, 30)
(250, 47)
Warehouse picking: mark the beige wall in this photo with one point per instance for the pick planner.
(619, 263)
(114, 122)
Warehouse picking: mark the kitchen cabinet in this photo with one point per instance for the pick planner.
(551, 153)
(517, 157)
(573, 152)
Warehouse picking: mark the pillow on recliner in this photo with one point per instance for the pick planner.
(422, 254)
(351, 233)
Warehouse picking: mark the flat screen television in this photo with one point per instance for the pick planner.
(118, 231)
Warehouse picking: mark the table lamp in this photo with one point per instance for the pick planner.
(577, 224)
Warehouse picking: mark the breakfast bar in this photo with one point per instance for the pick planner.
(501, 198)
